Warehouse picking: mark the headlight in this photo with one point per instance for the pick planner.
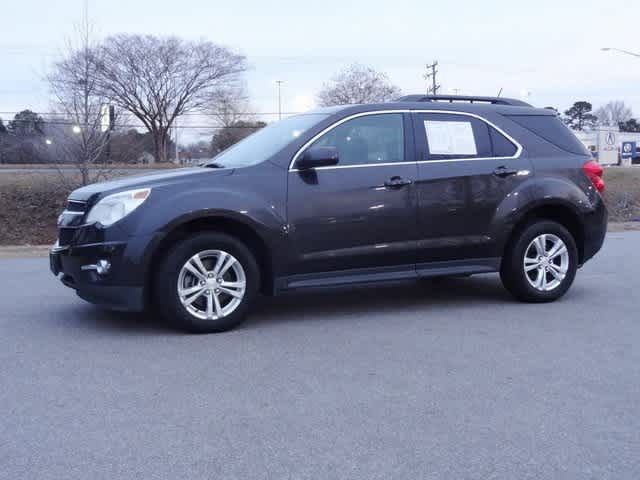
(117, 206)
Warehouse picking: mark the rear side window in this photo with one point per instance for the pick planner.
(551, 129)
(501, 146)
(454, 136)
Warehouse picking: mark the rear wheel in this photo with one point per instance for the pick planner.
(540, 263)
(207, 283)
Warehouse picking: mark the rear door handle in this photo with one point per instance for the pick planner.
(397, 182)
(504, 172)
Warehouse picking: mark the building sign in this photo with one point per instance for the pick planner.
(628, 150)
(608, 147)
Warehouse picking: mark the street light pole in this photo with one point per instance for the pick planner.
(626, 52)
(279, 82)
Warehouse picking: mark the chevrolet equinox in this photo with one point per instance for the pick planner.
(425, 186)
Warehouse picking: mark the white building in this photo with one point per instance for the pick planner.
(606, 142)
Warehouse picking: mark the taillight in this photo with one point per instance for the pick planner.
(594, 171)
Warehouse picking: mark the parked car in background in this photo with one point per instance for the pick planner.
(425, 186)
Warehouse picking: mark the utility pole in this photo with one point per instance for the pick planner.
(279, 82)
(175, 127)
(432, 71)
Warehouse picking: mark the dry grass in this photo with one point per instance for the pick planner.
(30, 203)
(622, 193)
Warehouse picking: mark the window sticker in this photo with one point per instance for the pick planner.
(450, 138)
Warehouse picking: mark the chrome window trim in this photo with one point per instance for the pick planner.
(519, 148)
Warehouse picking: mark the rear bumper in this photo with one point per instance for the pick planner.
(115, 289)
(595, 230)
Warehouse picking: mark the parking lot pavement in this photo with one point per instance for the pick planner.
(438, 379)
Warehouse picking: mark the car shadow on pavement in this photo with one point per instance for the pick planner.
(87, 316)
(396, 298)
(334, 304)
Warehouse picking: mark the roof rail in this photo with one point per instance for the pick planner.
(464, 98)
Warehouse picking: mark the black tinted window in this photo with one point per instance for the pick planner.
(501, 146)
(451, 136)
(367, 139)
(550, 128)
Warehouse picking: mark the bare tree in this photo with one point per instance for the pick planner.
(231, 134)
(613, 113)
(80, 137)
(357, 84)
(158, 79)
(228, 106)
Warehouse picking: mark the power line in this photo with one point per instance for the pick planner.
(189, 114)
(127, 125)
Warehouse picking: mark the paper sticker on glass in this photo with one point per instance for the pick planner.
(450, 138)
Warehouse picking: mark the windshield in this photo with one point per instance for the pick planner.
(265, 142)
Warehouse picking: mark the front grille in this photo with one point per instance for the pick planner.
(76, 206)
(69, 220)
(65, 235)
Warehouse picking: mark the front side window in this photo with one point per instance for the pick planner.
(370, 139)
(453, 136)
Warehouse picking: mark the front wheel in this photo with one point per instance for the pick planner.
(541, 263)
(207, 283)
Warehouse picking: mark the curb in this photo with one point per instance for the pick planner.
(24, 251)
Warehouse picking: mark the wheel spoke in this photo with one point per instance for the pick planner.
(555, 274)
(540, 243)
(185, 292)
(200, 266)
(239, 285)
(193, 298)
(532, 266)
(193, 270)
(233, 293)
(210, 305)
(216, 300)
(557, 251)
(219, 262)
(557, 271)
(541, 279)
(228, 264)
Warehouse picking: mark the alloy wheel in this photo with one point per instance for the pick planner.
(211, 284)
(546, 262)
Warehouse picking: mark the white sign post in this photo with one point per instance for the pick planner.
(608, 143)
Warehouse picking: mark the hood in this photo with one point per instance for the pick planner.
(144, 180)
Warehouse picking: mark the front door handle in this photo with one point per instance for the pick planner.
(503, 172)
(397, 182)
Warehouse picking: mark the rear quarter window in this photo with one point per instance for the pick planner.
(551, 129)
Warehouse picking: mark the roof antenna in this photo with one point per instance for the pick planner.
(500, 92)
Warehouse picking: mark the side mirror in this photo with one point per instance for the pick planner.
(317, 157)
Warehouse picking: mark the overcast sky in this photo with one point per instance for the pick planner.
(549, 48)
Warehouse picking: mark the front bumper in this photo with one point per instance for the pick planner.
(119, 289)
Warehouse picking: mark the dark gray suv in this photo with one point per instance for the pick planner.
(425, 186)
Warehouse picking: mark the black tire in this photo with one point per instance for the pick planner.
(512, 271)
(166, 296)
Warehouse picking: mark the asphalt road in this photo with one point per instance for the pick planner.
(439, 380)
